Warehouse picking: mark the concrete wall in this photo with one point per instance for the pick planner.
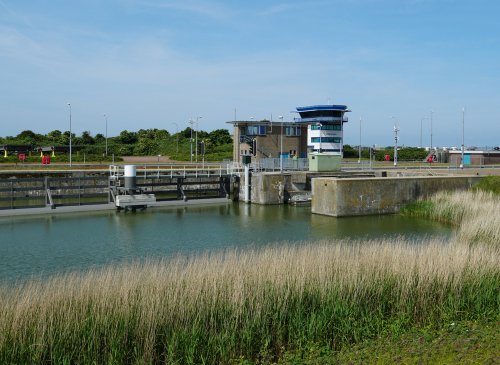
(350, 197)
(276, 188)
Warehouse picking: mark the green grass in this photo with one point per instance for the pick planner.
(488, 184)
(455, 343)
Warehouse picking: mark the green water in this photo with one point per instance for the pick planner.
(58, 242)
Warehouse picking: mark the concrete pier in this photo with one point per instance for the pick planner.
(351, 197)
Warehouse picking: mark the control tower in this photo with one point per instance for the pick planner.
(325, 127)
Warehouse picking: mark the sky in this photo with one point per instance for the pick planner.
(151, 63)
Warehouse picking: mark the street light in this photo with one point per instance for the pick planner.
(432, 112)
(359, 160)
(320, 130)
(69, 135)
(191, 121)
(396, 130)
(421, 130)
(463, 133)
(281, 155)
(106, 134)
(177, 134)
(197, 138)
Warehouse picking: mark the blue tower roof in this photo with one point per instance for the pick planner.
(342, 108)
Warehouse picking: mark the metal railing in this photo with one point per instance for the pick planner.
(52, 192)
(320, 119)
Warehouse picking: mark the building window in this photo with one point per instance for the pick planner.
(326, 127)
(255, 130)
(241, 152)
(293, 131)
(245, 152)
(325, 140)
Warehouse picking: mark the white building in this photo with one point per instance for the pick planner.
(325, 127)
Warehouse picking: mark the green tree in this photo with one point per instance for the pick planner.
(146, 147)
(99, 137)
(65, 138)
(127, 137)
(26, 134)
(186, 133)
(54, 136)
(87, 138)
(146, 133)
(219, 137)
(161, 134)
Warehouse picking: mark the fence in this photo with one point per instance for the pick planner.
(472, 162)
(39, 193)
(273, 164)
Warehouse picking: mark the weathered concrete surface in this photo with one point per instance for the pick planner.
(350, 197)
(269, 188)
(277, 188)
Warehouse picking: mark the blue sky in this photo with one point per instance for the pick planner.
(150, 63)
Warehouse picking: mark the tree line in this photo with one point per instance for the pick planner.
(144, 142)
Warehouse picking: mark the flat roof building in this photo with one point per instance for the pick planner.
(268, 136)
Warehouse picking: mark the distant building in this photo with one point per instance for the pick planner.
(486, 156)
(268, 136)
(325, 127)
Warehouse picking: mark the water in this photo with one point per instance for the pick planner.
(59, 242)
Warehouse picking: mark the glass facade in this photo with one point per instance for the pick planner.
(326, 127)
(325, 140)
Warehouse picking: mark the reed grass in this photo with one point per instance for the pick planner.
(215, 307)
(475, 212)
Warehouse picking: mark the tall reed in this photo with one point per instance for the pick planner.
(476, 214)
(214, 307)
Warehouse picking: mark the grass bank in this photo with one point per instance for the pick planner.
(217, 307)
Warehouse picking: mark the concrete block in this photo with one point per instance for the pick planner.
(351, 197)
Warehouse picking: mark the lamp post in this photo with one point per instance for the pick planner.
(359, 160)
(432, 148)
(191, 121)
(463, 134)
(421, 130)
(197, 138)
(177, 134)
(106, 134)
(281, 155)
(69, 135)
(396, 130)
(320, 129)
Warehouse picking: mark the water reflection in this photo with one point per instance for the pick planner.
(55, 243)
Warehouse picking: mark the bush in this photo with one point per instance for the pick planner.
(60, 157)
(408, 153)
